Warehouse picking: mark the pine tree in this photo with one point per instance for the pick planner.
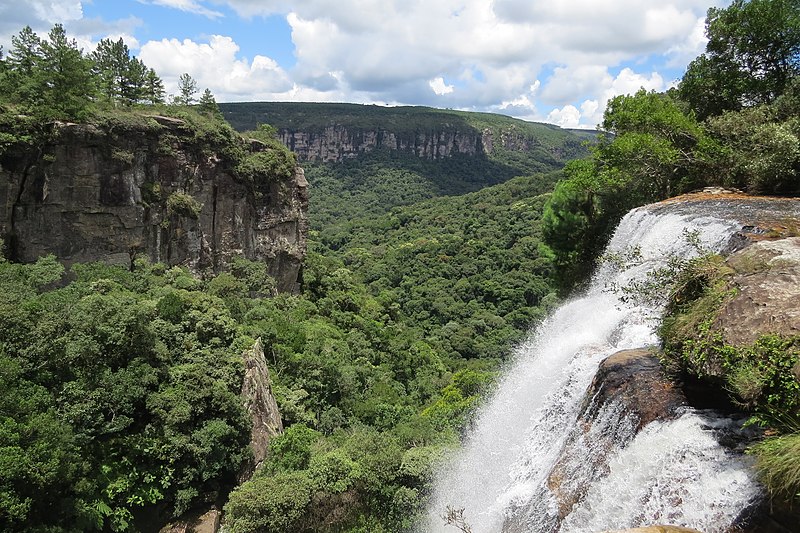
(110, 61)
(66, 84)
(153, 88)
(24, 63)
(134, 82)
(208, 104)
(188, 88)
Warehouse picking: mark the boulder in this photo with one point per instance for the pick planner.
(767, 283)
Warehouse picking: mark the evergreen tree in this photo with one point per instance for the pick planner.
(188, 88)
(153, 88)
(24, 61)
(208, 104)
(66, 82)
(110, 60)
(134, 82)
(123, 79)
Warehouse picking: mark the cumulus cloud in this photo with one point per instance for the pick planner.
(522, 57)
(566, 117)
(439, 87)
(604, 87)
(390, 50)
(40, 15)
(215, 65)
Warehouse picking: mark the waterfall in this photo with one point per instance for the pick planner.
(671, 472)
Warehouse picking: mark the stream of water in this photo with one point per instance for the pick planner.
(670, 473)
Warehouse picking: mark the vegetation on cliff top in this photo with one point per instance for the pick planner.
(44, 81)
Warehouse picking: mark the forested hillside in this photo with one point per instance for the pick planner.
(363, 160)
(119, 394)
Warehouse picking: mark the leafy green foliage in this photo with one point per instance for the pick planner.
(269, 161)
(762, 145)
(656, 151)
(753, 51)
(132, 396)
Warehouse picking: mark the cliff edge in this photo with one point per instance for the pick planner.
(178, 191)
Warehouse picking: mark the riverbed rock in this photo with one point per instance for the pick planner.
(628, 392)
(767, 284)
(203, 521)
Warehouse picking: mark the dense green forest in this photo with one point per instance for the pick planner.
(373, 181)
(120, 387)
(376, 368)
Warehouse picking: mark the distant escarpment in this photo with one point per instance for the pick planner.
(187, 192)
(336, 132)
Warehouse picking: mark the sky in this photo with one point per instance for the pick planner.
(556, 61)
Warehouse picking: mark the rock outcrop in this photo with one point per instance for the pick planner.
(326, 132)
(767, 286)
(629, 391)
(339, 142)
(156, 188)
(261, 405)
(336, 143)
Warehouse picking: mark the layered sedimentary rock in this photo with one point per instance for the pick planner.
(338, 142)
(156, 189)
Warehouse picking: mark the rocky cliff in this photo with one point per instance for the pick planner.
(338, 142)
(335, 132)
(156, 187)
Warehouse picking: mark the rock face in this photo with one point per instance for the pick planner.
(325, 132)
(261, 405)
(338, 142)
(628, 392)
(111, 193)
(767, 283)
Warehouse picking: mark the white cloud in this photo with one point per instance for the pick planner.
(595, 81)
(439, 87)
(495, 53)
(188, 6)
(566, 117)
(215, 65)
(57, 10)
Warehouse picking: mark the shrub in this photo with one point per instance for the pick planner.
(184, 205)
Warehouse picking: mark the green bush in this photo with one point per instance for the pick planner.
(182, 204)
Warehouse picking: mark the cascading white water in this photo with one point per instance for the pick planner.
(520, 432)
